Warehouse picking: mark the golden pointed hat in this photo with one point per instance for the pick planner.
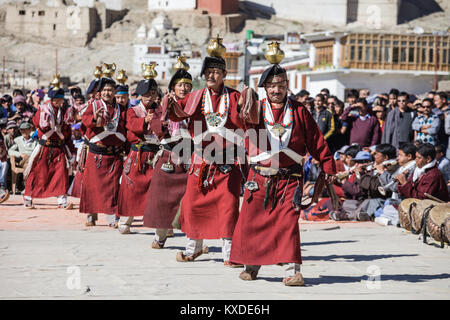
(274, 73)
(149, 74)
(56, 82)
(122, 78)
(216, 50)
(181, 75)
(109, 70)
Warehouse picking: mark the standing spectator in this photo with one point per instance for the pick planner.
(440, 101)
(6, 102)
(393, 95)
(309, 103)
(36, 99)
(24, 112)
(342, 134)
(447, 132)
(365, 129)
(380, 114)
(4, 194)
(427, 126)
(398, 129)
(324, 119)
(430, 95)
(302, 96)
(364, 93)
(351, 98)
(326, 94)
(443, 163)
(331, 103)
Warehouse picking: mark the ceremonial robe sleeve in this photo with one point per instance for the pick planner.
(88, 117)
(135, 124)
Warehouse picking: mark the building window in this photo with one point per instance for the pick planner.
(154, 50)
(56, 14)
(22, 12)
(41, 13)
(54, 27)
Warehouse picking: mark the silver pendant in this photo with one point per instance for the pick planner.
(278, 130)
(251, 186)
(167, 167)
(110, 126)
(225, 168)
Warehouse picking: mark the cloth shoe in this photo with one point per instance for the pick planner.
(248, 275)
(4, 195)
(124, 229)
(232, 264)
(296, 280)
(181, 257)
(158, 244)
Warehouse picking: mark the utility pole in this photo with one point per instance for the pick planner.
(23, 75)
(3, 75)
(56, 66)
(436, 56)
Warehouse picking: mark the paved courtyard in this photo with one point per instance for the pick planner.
(48, 253)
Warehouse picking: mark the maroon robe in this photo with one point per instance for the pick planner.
(211, 213)
(431, 182)
(100, 191)
(266, 236)
(49, 175)
(135, 184)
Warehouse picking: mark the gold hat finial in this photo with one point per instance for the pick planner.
(109, 70)
(215, 47)
(148, 71)
(274, 54)
(56, 82)
(98, 72)
(122, 77)
(181, 63)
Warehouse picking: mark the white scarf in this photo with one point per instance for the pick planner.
(275, 142)
(419, 171)
(222, 105)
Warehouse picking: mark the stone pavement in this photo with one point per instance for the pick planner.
(48, 253)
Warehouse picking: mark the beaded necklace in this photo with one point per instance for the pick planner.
(215, 118)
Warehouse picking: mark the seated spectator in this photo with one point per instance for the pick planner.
(4, 194)
(6, 102)
(11, 133)
(427, 126)
(364, 129)
(442, 162)
(426, 177)
(397, 128)
(76, 135)
(23, 145)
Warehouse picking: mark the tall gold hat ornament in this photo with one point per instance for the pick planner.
(215, 47)
(109, 70)
(56, 82)
(98, 73)
(274, 54)
(148, 70)
(122, 77)
(181, 64)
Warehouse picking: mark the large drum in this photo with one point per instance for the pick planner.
(438, 223)
(417, 213)
(403, 212)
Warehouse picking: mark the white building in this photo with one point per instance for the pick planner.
(109, 4)
(378, 62)
(145, 53)
(172, 4)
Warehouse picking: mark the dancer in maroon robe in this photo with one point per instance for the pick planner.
(210, 206)
(105, 122)
(267, 231)
(143, 129)
(170, 174)
(77, 183)
(47, 171)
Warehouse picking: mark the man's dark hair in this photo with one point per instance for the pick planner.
(326, 91)
(17, 92)
(75, 91)
(439, 148)
(427, 150)
(431, 92)
(320, 96)
(404, 94)
(428, 100)
(362, 100)
(352, 151)
(394, 91)
(387, 149)
(408, 149)
(353, 94)
(302, 93)
(442, 95)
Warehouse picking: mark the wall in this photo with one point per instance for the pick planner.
(218, 6)
(64, 25)
(171, 4)
(110, 4)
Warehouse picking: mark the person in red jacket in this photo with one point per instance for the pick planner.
(47, 172)
(426, 177)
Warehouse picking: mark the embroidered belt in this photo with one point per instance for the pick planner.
(295, 170)
(107, 150)
(145, 147)
(51, 144)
